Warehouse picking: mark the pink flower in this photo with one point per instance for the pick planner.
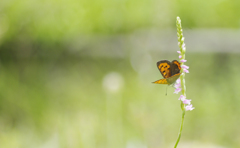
(189, 107)
(186, 101)
(183, 60)
(179, 52)
(182, 97)
(185, 70)
(177, 90)
(183, 45)
(180, 56)
(177, 85)
(178, 81)
(185, 66)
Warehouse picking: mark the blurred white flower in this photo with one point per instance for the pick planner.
(113, 82)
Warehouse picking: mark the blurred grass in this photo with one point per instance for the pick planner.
(51, 95)
(58, 20)
(63, 104)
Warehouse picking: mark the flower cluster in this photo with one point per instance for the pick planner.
(178, 87)
(180, 83)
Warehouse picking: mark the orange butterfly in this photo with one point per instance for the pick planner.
(169, 70)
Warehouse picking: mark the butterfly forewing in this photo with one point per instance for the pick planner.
(164, 67)
(175, 67)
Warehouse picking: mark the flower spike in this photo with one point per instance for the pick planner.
(180, 83)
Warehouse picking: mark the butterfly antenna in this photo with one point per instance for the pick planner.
(166, 90)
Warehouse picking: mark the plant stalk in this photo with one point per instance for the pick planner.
(181, 126)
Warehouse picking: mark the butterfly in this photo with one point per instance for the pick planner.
(169, 70)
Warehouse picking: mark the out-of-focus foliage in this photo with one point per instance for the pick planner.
(56, 91)
(54, 20)
(32, 28)
(72, 103)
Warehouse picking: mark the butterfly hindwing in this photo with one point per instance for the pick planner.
(161, 81)
(173, 78)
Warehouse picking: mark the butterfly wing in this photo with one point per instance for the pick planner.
(175, 67)
(161, 81)
(175, 71)
(164, 67)
(169, 70)
(172, 79)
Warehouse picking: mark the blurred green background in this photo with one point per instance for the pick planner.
(77, 74)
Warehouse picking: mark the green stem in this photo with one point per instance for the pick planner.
(180, 130)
